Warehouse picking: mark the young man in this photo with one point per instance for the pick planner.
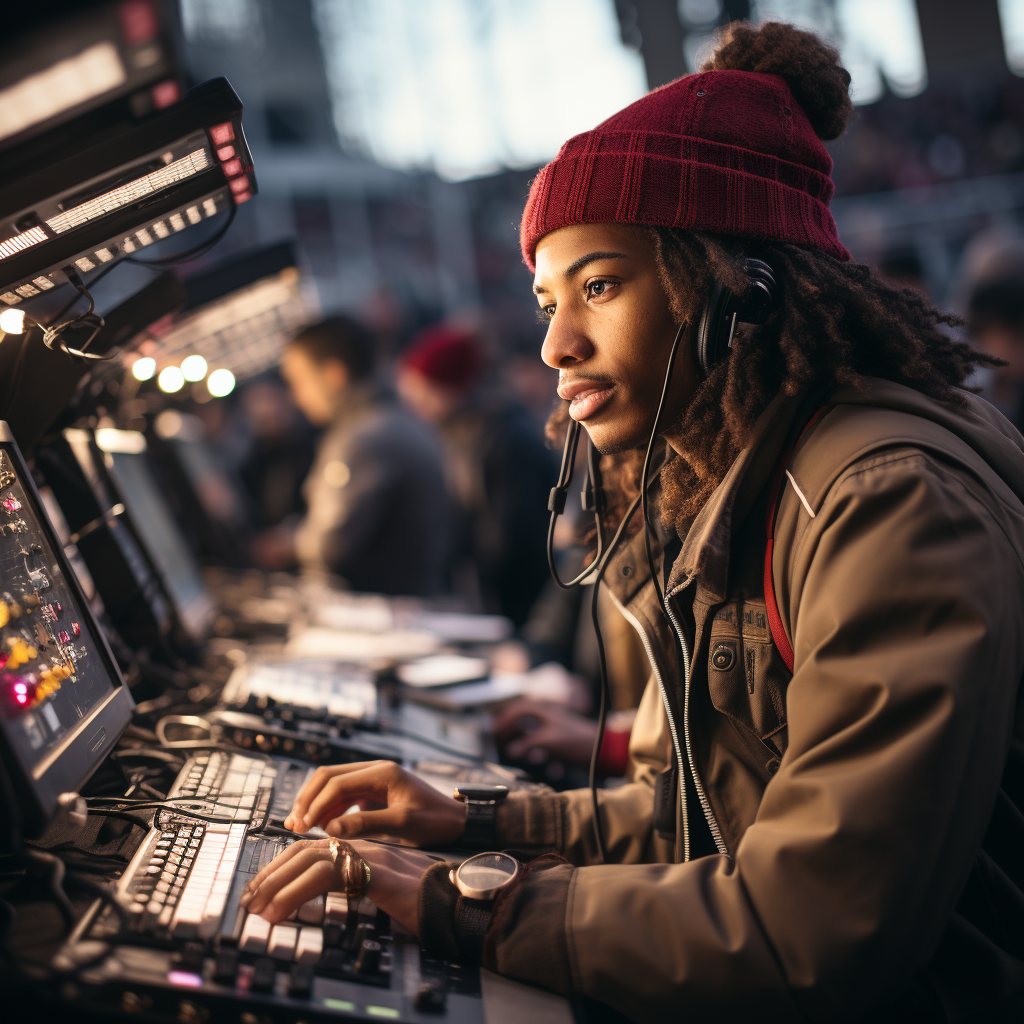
(825, 819)
(377, 512)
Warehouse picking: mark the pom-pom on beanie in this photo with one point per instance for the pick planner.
(445, 354)
(727, 151)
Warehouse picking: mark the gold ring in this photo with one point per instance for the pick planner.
(352, 871)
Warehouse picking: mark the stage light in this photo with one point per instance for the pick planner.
(193, 368)
(142, 369)
(221, 383)
(12, 321)
(171, 379)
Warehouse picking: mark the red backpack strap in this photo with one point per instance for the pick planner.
(779, 638)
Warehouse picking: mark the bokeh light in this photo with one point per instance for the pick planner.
(220, 383)
(193, 368)
(171, 379)
(144, 368)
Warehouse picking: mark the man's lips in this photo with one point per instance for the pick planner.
(585, 397)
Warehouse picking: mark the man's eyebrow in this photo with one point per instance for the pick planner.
(579, 264)
(575, 267)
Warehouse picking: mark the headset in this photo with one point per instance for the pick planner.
(715, 332)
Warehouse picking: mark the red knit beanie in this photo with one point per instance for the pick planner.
(724, 151)
(446, 355)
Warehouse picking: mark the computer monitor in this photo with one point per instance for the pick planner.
(126, 462)
(63, 700)
(128, 581)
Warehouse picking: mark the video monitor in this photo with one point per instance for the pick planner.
(63, 701)
(127, 464)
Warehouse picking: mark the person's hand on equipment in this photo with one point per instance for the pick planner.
(391, 802)
(307, 869)
(535, 730)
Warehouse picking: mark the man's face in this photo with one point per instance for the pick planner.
(610, 331)
(1007, 343)
(315, 387)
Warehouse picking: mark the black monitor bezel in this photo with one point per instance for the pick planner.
(66, 768)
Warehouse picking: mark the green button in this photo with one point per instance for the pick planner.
(339, 1004)
(382, 1011)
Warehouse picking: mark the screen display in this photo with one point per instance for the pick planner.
(163, 538)
(52, 676)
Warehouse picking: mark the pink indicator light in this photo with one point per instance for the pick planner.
(165, 93)
(232, 168)
(242, 197)
(222, 133)
(184, 978)
(239, 185)
(226, 153)
(76, 629)
(65, 636)
(139, 23)
(11, 503)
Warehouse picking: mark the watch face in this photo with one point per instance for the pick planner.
(482, 875)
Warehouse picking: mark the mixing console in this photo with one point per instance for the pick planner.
(187, 930)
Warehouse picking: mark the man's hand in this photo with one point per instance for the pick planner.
(524, 728)
(391, 802)
(306, 870)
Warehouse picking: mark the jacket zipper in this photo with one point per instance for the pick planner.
(676, 747)
(708, 813)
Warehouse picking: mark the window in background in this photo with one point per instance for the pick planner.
(211, 21)
(1011, 17)
(879, 40)
(468, 87)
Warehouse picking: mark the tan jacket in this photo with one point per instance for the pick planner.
(868, 811)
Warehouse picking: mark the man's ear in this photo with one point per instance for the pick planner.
(335, 373)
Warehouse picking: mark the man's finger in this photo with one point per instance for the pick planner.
(279, 873)
(316, 879)
(343, 791)
(391, 821)
(282, 858)
(319, 779)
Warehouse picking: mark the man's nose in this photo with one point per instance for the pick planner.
(565, 345)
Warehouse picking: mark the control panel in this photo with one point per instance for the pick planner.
(49, 680)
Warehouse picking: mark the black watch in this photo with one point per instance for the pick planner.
(482, 804)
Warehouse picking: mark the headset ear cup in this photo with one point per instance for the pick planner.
(709, 328)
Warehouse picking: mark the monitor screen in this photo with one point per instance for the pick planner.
(127, 462)
(63, 701)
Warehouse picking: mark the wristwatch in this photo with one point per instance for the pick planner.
(482, 804)
(479, 880)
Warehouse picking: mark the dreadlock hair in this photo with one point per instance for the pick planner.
(838, 323)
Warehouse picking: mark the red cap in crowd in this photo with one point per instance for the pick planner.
(446, 355)
(723, 151)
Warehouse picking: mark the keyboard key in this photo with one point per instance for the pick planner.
(255, 933)
(281, 943)
(335, 909)
(309, 946)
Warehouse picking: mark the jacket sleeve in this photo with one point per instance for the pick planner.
(564, 822)
(906, 606)
(346, 505)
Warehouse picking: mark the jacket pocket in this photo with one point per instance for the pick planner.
(747, 678)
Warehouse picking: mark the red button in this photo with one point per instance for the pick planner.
(65, 636)
(76, 629)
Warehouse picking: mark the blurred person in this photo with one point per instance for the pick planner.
(825, 813)
(377, 511)
(281, 451)
(498, 468)
(995, 318)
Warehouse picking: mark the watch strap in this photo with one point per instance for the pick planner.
(472, 919)
(481, 823)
